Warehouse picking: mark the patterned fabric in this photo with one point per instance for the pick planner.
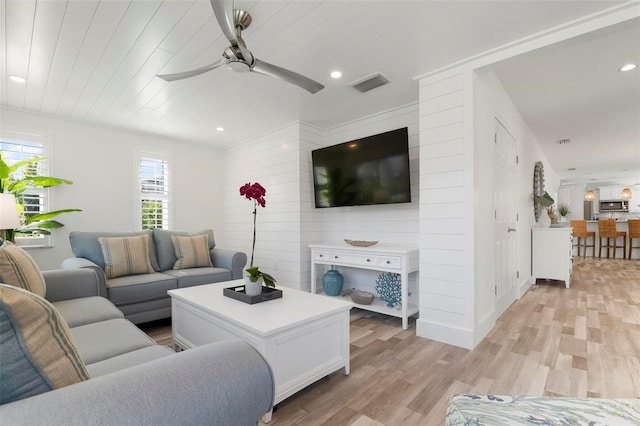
(192, 252)
(501, 410)
(17, 268)
(126, 256)
(38, 351)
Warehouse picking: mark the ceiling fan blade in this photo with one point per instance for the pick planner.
(192, 73)
(286, 75)
(223, 9)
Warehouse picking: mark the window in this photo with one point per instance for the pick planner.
(154, 192)
(31, 200)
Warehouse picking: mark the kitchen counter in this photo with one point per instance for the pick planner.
(621, 225)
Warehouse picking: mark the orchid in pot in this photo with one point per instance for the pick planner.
(253, 286)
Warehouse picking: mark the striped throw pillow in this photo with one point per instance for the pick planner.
(126, 256)
(17, 268)
(38, 351)
(192, 252)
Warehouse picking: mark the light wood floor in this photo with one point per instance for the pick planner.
(583, 342)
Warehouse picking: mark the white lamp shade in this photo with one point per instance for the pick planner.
(8, 212)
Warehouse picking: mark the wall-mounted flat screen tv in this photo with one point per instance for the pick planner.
(371, 170)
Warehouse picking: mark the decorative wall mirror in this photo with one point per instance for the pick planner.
(538, 187)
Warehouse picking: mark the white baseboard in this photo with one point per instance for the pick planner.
(524, 286)
(445, 333)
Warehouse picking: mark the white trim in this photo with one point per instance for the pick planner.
(567, 30)
(461, 337)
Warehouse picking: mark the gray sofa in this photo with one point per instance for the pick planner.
(133, 381)
(143, 297)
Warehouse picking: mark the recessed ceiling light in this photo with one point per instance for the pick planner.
(336, 74)
(628, 67)
(17, 79)
(220, 129)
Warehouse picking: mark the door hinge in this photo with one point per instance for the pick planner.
(517, 159)
(517, 274)
(495, 289)
(517, 217)
(495, 214)
(495, 138)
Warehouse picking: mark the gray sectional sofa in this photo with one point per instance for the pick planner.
(132, 380)
(143, 297)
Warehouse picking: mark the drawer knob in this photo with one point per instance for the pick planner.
(335, 257)
(368, 260)
(388, 262)
(322, 255)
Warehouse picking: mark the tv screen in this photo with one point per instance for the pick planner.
(371, 170)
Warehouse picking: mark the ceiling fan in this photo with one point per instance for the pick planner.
(237, 57)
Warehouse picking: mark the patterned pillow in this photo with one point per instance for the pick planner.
(38, 351)
(17, 268)
(126, 256)
(192, 252)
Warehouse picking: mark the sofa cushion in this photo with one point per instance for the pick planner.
(86, 244)
(38, 350)
(164, 245)
(191, 252)
(17, 268)
(140, 288)
(125, 256)
(85, 310)
(129, 359)
(106, 339)
(199, 276)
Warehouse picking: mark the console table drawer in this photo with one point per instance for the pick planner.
(394, 262)
(322, 255)
(355, 259)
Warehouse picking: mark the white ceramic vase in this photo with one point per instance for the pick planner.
(252, 288)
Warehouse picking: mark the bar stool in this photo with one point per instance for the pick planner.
(634, 232)
(578, 231)
(607, 230)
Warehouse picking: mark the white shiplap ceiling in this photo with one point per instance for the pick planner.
(97, 60)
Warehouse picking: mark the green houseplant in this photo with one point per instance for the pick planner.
(256, 192)
(32, 223)
(563, 209)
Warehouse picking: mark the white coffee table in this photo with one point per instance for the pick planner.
(303, 336)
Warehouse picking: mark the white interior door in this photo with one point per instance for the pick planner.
(506, 217)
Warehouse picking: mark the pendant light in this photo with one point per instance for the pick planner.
(590, 195)
(626, 192)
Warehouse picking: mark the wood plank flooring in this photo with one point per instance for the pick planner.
(583, 342)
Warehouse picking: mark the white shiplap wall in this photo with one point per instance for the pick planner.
(389, 224)
(446, 213)
(273, 160)
(281, 161)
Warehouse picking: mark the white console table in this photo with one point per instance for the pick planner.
(552, 254)
(396, 259)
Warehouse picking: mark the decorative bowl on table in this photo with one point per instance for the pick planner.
(357, 243)
(361, 297)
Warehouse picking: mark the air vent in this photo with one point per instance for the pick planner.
(563, 141)
(370, 82)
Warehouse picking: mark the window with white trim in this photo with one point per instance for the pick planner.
(31, 200)
(154, 191)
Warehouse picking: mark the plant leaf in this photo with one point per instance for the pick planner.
(48, 215)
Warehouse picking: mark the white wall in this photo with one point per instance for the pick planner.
(101, 162)
(493, 102)
(389, 224)
(281, 161)
(273, 160)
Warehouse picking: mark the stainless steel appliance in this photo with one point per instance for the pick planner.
(588, 210)
(614, 206)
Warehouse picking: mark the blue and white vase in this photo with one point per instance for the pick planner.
(332, 282)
